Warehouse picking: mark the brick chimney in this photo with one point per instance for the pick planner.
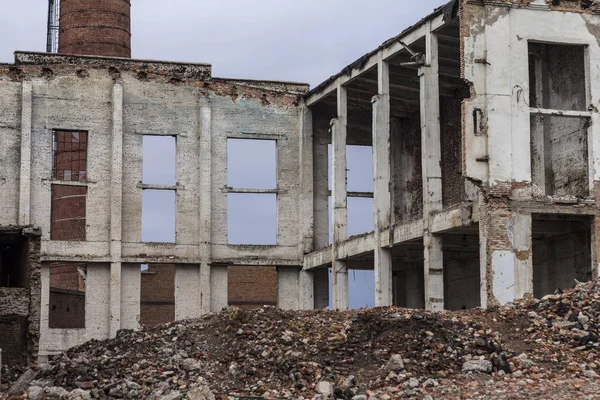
(95, 27)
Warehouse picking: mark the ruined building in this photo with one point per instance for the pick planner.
(485, 135)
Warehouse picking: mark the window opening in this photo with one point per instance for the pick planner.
(252, 218)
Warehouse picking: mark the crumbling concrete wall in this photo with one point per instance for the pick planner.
(497, 134)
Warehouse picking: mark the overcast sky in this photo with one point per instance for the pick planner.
(294, 40)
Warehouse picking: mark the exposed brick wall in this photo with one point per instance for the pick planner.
(67, 309)
(95, 27)
(68, 213)
(67, 295)
(252, 286)
(67, 276)
(157, 295)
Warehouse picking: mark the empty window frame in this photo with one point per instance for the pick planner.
(159, 185)
(560, 119)
(67, 296)
(159, 160)
(252, 218)
(251, 164)
(69, 155)
(158, 216)
(252, 197)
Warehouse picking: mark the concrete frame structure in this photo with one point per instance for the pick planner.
(457, 204)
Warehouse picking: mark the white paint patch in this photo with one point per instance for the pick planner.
(504, 276)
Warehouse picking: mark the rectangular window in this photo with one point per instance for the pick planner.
(67, 296)
(251, 164)
(68, 213)
(69, 155)
(159, 160)
(252, 218)
(158, 216)
(560, 120)
(252, 170)
(160, 189)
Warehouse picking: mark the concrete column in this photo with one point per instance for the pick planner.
(218, 284)
(339, 200)
(116, 209)
(307, 291)
(25, 175)
(381, 186)
(306, 286)
(288, 288)
(205, 168)
(432, 174)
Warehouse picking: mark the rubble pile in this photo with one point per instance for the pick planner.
(546, 348)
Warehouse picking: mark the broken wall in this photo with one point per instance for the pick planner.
(20, 304)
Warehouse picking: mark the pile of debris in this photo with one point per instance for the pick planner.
(545, 347)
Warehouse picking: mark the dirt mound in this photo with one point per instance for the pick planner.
(527, 348)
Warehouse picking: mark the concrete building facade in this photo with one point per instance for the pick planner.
(486, 167)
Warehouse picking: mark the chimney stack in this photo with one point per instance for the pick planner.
(95, 27)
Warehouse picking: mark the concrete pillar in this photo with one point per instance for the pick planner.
(339, 200)
(218, 284)
(432, 174)
(307, 291)
(205, 211)
(306, 284)
(321, 288)
(25, 175)
(116, 209)
(288, 288)
(381, 186)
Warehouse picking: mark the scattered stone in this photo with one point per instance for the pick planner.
(477, 366)
(325, 388)
(35, 393)
(395, 363)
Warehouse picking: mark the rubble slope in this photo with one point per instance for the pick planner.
(545, 348)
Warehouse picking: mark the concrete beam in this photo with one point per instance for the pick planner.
(432, 174)
(339, 200)
(116, 209)
(381, 185)
(25, 175)
(386, 53)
